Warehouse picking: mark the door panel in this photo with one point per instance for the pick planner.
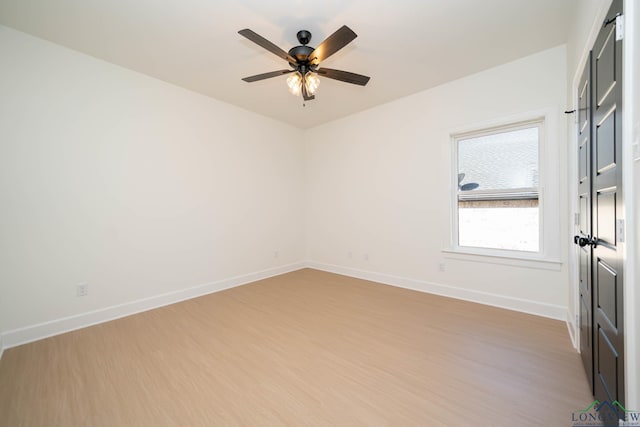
(605, 65)
(601, 266)
(605, 147)
(608, 277)
(606, 217)
(607, 284)
(608, 366)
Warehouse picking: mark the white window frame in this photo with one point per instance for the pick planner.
(548, 255)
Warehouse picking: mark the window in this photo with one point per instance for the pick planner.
(497, 196)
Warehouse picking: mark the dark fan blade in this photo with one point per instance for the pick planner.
(470, 186)
(332, 44)
(261, 41)
(305, 94)
(266, 75)
(344, 76)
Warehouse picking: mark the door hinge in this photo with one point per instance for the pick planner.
(619, 27)
(620, 230)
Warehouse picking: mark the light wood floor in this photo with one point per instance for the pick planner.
(305, 348)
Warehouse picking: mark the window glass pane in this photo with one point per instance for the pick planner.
(507, 160)
(498, 205)
(514, 227)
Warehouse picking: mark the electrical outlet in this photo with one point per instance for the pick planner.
(366, 257)
(82, 290)
(276, 254)
(349, 254)
(442, 266)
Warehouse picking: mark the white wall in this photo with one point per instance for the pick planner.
(378, 187)
(139, 188)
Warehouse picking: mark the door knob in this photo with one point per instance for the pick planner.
(585, 240)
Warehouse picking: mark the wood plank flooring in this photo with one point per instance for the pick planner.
(305, 348)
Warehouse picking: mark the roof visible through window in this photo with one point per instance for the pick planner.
(500, 161)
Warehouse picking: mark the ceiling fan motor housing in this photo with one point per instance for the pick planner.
(301, 53)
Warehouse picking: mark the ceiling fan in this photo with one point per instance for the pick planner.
(305, 61)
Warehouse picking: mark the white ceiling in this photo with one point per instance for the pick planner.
(406, 46)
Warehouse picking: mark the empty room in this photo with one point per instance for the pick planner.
(412, 213)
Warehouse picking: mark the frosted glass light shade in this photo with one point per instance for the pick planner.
(312, 81)
(294, 81)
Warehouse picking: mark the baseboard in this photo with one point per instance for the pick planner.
(1, 347)
(59, 326)
(552, 311)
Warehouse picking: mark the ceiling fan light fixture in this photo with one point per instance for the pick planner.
(294, 81)
(312, 82)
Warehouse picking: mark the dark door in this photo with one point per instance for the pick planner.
(601, 268)
(584, 199)
(607, 212)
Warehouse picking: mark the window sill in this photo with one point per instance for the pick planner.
(510, 260)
